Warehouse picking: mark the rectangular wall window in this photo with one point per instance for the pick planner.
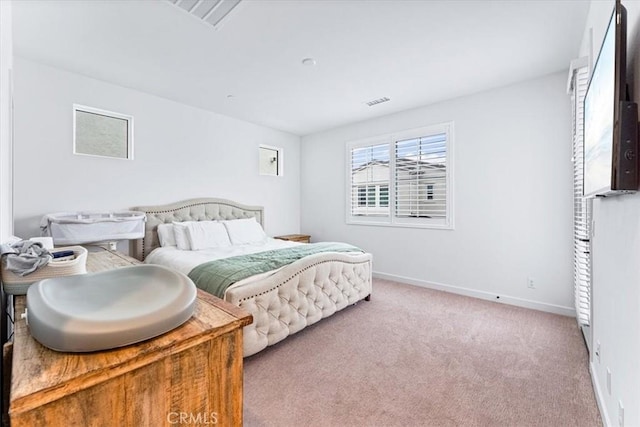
(270, 160)
(421, 174)
(102, 133)
(402, 179)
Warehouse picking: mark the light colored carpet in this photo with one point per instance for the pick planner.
(419, 357)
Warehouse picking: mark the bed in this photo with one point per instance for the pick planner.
(282, 301)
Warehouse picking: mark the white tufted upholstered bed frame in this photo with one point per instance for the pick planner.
(285, 302)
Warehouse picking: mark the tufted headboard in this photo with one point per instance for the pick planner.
(188, 210)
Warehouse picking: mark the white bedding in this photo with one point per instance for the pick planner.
(185, 261)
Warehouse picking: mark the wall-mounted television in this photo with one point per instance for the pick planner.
(610, 118)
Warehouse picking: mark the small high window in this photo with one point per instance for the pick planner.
(270, 160)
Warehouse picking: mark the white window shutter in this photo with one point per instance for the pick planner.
(581, 205)
(369, 178)
(420, 177)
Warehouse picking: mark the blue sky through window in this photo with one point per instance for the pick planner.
(432, 148)
(364, 155)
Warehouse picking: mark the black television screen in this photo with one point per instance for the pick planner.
(610, 121)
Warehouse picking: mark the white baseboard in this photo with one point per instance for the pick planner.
(505, 299)
(599, 396)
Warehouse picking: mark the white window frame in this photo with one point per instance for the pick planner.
(107, 115)
(582, 206)
(391, 220)
(279, 159)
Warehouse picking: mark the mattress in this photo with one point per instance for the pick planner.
(185, 261)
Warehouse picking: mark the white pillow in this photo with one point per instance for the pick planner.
(181, 236)
(207, 234)
(242, 231)
(165, 235)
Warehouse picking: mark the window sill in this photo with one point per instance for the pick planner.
(434, 226)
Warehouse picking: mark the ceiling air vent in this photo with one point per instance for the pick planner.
(213, 12)
(377, 101)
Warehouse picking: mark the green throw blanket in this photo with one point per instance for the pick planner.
(216, 276)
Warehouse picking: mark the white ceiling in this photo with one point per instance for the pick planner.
(414, 52)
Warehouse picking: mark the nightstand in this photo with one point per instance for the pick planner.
(302, 238)
(195, 370)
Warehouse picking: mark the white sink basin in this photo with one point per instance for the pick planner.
(110, 309)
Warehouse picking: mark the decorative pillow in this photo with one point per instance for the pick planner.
(242, 231)
(181, 236)
(207, 234)
(165, 235)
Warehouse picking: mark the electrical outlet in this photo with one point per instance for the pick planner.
(598, 351)
(609, 381)
(530, 283)
(620, 414)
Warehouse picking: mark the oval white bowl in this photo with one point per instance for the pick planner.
(109, 309)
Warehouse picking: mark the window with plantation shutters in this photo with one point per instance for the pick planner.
(402, 179)
(579, 79)
(420, 177)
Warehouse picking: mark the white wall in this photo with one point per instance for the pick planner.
(615, 257)
(180, 152)
(512, 192)
(6, 64)
(6, 195)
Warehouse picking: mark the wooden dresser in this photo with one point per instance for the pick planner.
(190, 375)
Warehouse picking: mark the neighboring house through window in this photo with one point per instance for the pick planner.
(430, 192)
(402, 179)
(373, 196)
